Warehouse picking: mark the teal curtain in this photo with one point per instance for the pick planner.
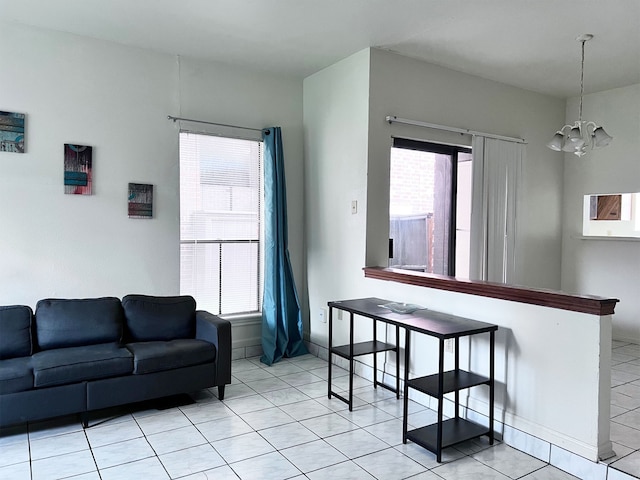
(281, 314)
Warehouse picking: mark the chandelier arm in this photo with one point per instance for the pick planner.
(591, 135)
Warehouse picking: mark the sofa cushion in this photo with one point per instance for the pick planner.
(159, 318)
(15, 331)
(16, 375)
(151, 357)
(78, 322)
(74, 364)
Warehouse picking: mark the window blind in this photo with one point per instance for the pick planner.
(220, 222)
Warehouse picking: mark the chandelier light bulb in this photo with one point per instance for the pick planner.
(556, 142)
(601, 138)
(569, 147)
(575, 135)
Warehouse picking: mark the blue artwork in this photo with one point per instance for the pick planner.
(12, 132)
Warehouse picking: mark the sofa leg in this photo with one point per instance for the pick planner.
(221, 392)
(84, 418)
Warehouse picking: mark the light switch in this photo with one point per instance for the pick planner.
(354, 207)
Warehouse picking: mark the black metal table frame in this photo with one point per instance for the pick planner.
(351, 357)
(441, 388)
(455, 381)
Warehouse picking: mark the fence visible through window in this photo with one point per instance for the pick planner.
(429, 207)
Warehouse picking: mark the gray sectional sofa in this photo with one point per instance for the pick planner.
(81, 355)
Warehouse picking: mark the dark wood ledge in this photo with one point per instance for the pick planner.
(535, 296)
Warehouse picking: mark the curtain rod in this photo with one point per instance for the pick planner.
(170, 117)
(393, 119)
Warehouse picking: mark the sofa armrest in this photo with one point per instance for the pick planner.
(216, 330)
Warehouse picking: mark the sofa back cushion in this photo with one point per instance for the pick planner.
(73, 323)
(151, 318)
(15, 331)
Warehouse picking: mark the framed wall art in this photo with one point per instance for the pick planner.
(140, 200)
(12, 126)
(78, 169)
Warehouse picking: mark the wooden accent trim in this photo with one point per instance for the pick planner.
(545, 298)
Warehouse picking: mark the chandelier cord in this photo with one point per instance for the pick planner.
(581, 83)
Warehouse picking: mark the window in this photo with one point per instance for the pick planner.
(430, 207)
(611, 215)
(220, 222)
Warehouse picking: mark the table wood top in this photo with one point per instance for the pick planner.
(429, 322)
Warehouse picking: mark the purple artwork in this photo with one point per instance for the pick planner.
(77, 169)
(140, 200)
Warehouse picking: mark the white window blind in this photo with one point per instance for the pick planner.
(497, 167)
(220, 192)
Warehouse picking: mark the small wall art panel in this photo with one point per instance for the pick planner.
(140, 200)
(12, 132)
(77, 169)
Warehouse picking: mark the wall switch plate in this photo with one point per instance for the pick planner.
(354, 207)
(322, 315)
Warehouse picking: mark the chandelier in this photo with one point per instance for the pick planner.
(582, 134)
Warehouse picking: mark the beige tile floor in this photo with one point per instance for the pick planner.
(277, 423)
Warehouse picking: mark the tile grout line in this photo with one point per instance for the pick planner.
(29, 449)
(369, 402)
(95, 462)
(324, 439)
(144, 435)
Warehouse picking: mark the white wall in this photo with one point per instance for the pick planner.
(420, 91)
(347, 147)
(116, 98)
(336, 135)
(604, 267)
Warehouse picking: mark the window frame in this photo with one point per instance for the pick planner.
(442, 149)
(259, 241)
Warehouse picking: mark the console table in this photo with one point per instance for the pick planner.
(442, 326)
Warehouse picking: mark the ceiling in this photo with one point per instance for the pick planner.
(526, 43)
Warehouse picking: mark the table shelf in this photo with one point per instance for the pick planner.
(454, 380)
(363, 348)
(454, 430)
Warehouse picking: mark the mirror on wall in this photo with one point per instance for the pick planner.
(611, 215)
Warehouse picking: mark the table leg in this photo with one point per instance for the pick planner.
(440, 400)
(491, 383)
(375, 357)
(398, 363)
(457, 369)
(330, 340)
(405, 408)
(351, 362)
